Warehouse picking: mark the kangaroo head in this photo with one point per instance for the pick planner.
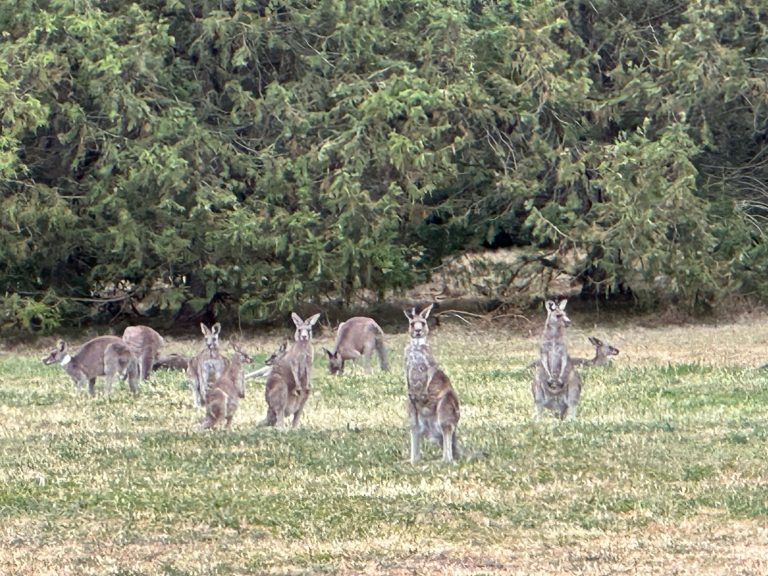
(304, 327)
(276, 355)
(603, 348)
(57, 354)
(417, 323)
(556, 315)
(211, 335)
(241, 354)
(335, 362)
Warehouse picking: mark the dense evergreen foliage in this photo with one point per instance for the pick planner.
(281, 151)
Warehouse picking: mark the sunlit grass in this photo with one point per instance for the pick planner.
(131, 486)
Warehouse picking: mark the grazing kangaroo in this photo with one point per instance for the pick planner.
(433, 406)
(358, 337)
(207, 366)
(603, 351)
(268, 363)
(145, 344)
(172, 362)
(102, 356)
(289, 382)
(223, 397)
(556, 384)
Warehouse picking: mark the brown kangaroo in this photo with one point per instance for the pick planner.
(207, 366)
(289, 382)
(223, 397)
(433, 406)
(358, 337)
(556, 384)
(603, 352)
(145, 344)
(102, 356)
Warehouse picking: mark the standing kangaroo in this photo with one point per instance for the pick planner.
(556, 384)
(603, 351)
(357, 337)
(145, 344)
(433, 406)
(207, 366)
(289, 382)
(223, 397)
(102, 356)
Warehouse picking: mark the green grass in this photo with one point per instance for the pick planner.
(131, 486)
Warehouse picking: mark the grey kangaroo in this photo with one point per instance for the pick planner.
(289, 382)
(433, 406)
(268, 363)
(145, 344)
(556, 384)
(103, 356)
(223, 397)
(603, 352)
(358, 337)
(207, 366)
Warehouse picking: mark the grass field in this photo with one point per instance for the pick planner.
(664, 472)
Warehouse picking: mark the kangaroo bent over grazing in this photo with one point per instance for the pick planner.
(102, 356)
(433, 406)
(358, 337)
(556, 384)
(223, 397)
(145, 344)
(603, 351)
(207, 366)
(289, 382)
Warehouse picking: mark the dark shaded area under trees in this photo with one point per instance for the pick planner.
(186, 157)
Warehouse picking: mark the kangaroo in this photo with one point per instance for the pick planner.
(171, 362)
(433, 406)
(356, 338)
(102, 356)
(223, 398)
(556, 384)
(289, 382)
(145, 344)
(208, 365)
(603, 351)
(268, 363)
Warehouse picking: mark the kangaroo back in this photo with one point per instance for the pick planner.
(145, 344)
(356, 338)
(289, 381)
(222, 398)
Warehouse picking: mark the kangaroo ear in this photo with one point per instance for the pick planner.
(409, 314)
(594, 341)
(204, 328)
(313, 319)
(328, 352)
(562, 304)
(425, 313)
(216, 329)
(61, 345)
(550, 305)
(296, 318)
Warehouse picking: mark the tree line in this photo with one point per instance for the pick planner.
(264, 153)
